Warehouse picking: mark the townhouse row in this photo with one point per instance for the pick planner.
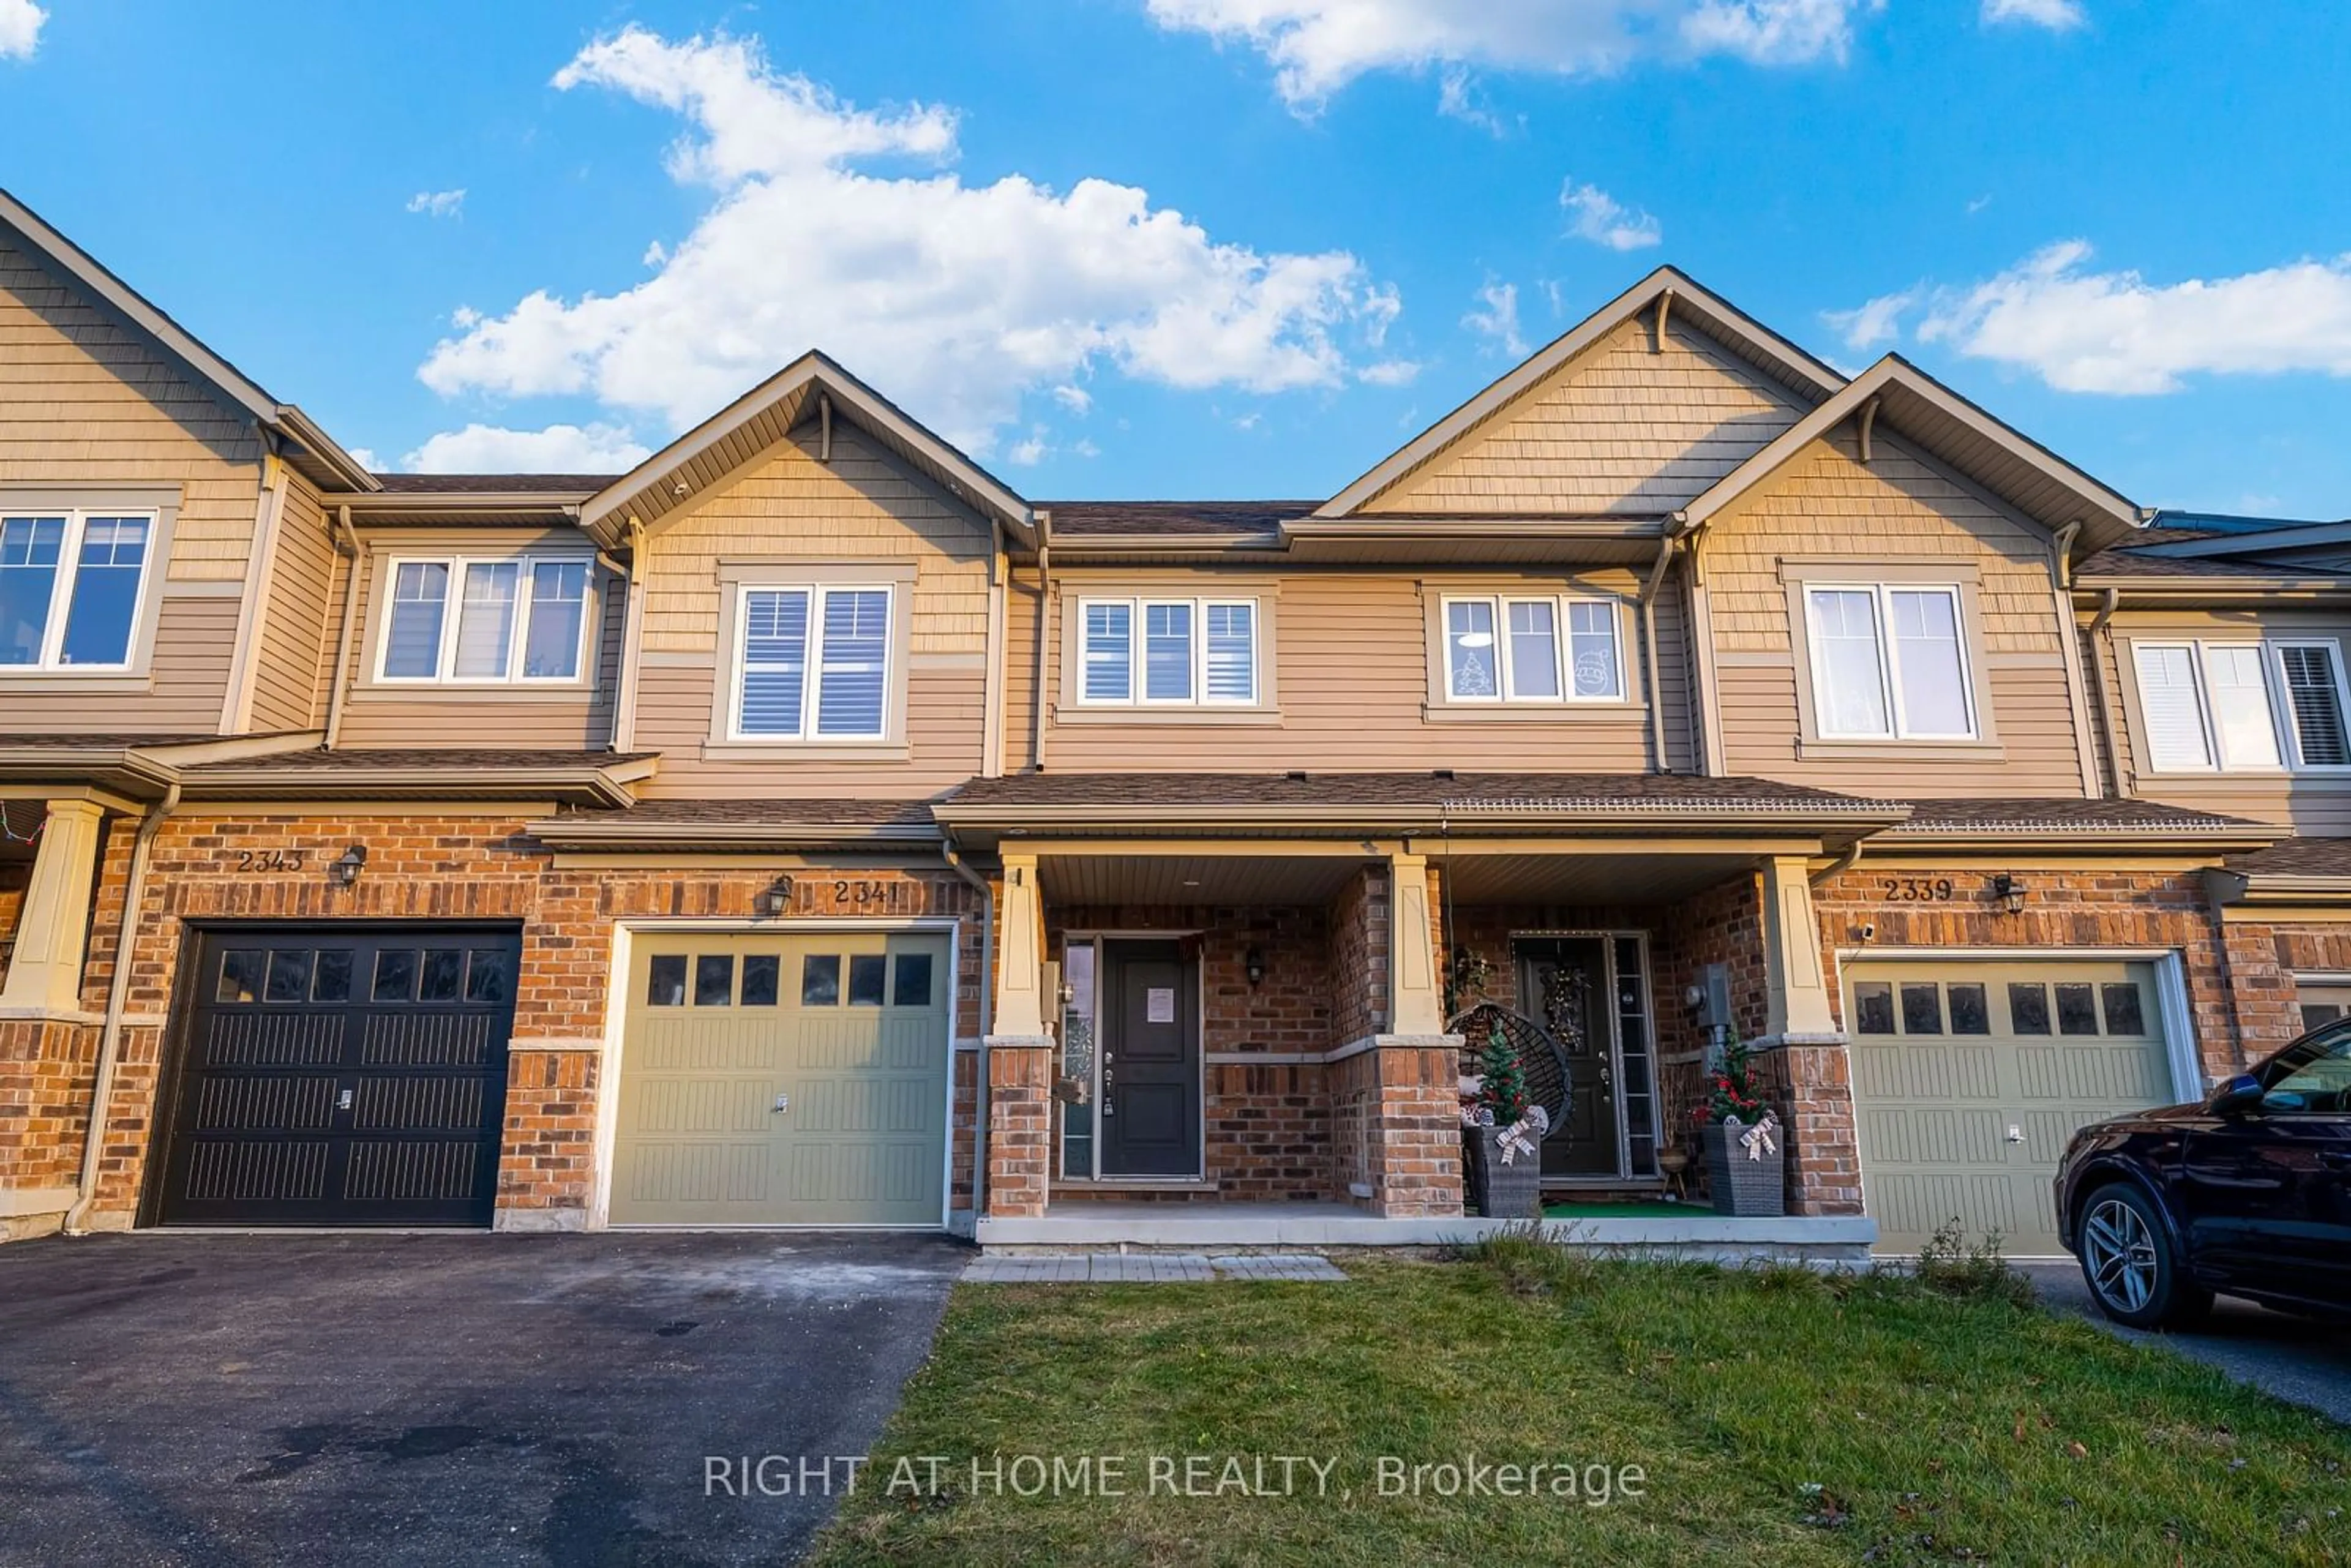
(804, 828)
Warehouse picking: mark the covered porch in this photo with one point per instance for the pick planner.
(1251, 1034)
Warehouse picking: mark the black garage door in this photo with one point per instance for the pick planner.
(340, 1075)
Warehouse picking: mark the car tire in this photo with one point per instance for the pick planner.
(2128, 1264)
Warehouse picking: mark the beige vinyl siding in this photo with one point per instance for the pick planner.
(295, 633)
(1350, 679)
(524, 717)
(1826, 505)
(789, 509)
(86, 400)
(1619, 428)
(2308, 803)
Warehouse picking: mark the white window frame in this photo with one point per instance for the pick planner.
(2281, 702)
(53, 629)
(1889, 668)
(812, 664)
(452, 608)
(1504, 664)
(2286, 735)
(1138, 608)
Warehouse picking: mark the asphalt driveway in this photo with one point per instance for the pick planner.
(2293, 1358)
(444, 1399)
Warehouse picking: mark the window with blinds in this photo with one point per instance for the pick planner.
(1167, 652)
(2209, 705)
(813, 663)
(462, 621)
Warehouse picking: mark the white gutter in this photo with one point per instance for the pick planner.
(117, 986)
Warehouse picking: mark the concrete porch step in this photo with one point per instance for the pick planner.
(1144, 1268)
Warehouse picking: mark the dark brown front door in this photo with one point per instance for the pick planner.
(1151, 1061)
(1563, 985)
(340, 1075)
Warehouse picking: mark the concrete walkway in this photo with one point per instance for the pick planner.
(2296, 1359)
(1145, 1268)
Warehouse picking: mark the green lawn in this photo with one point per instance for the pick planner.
(1777, 1418)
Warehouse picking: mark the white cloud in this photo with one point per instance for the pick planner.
(558, 449)
(1594, 215)
(955, 300)
(2058, 15)
(1077, 400)
(366, 458)
(20, 28)
(1878, 320)
(1498, 322)
(1390, 372)
(1457, 100)
(1029, 450)
(2115, 332)
(439, 203)
(1318, 47)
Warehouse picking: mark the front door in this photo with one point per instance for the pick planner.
(1562, 984)
(1151, 1061)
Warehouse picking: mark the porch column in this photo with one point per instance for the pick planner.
(53, 927)
(1020, 1053)
(1416, 1006)
(1796, 994)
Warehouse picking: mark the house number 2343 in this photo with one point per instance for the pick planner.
(1916, 889)
(283, 862)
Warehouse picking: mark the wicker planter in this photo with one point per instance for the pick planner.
(1512, 1191)
(1739, 1185)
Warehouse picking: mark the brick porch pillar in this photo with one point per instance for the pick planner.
(1806, 1050)
(53, 926)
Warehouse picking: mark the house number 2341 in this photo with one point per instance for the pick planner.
(1916, 889)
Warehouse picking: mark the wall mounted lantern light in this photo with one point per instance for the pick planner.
(773, 899)
(348, 865)
(1255, 965)
(2009, 893)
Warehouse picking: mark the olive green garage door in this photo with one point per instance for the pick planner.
(1970, 1077)
(773, 1079)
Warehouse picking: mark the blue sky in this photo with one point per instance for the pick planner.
(1213, 248)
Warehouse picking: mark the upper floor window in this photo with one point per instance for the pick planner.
(70, 589)
(1508, 648)
(2243, 706)
(1168, 652)
(462, 621)
(1889, 662)
(813, 663)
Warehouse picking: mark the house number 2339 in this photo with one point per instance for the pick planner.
(1916, 889)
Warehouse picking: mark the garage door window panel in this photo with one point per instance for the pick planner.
(2124, 1015)
(1969, 1014)
(665, 980)
(1872, 1004)
(442, 976)
(761, 977)
(2028, 1007)
(240, 975)
(821, 981)
(330, 980)
(2078, 1010)
(714, 981)
(395, 975)
(911, 984)
(867, 975)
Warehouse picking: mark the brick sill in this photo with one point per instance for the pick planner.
(1078, 1185)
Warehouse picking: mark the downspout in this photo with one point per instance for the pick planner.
(954, 858)
(117, 986)
(1839, 866)
(347, 545)
(1649, 646)
(2102, 643)
(2061, 594)
(1044, 615)
(1000, 582)
(633, 613)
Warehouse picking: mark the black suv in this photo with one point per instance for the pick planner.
(2248, 1192)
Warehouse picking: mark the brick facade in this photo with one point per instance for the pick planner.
(457, 867)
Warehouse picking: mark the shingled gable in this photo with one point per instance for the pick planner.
(808, 387)
(1895, 395)
(311, 450)
(1686, 303)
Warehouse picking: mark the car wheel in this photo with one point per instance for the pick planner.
(2128, 1263)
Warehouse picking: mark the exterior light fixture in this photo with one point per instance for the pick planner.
(773, 899)
(2009, 893)
(1255, 963)
(348, 865)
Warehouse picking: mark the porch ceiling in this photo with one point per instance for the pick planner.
(1610, 879)
(1110, 880)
